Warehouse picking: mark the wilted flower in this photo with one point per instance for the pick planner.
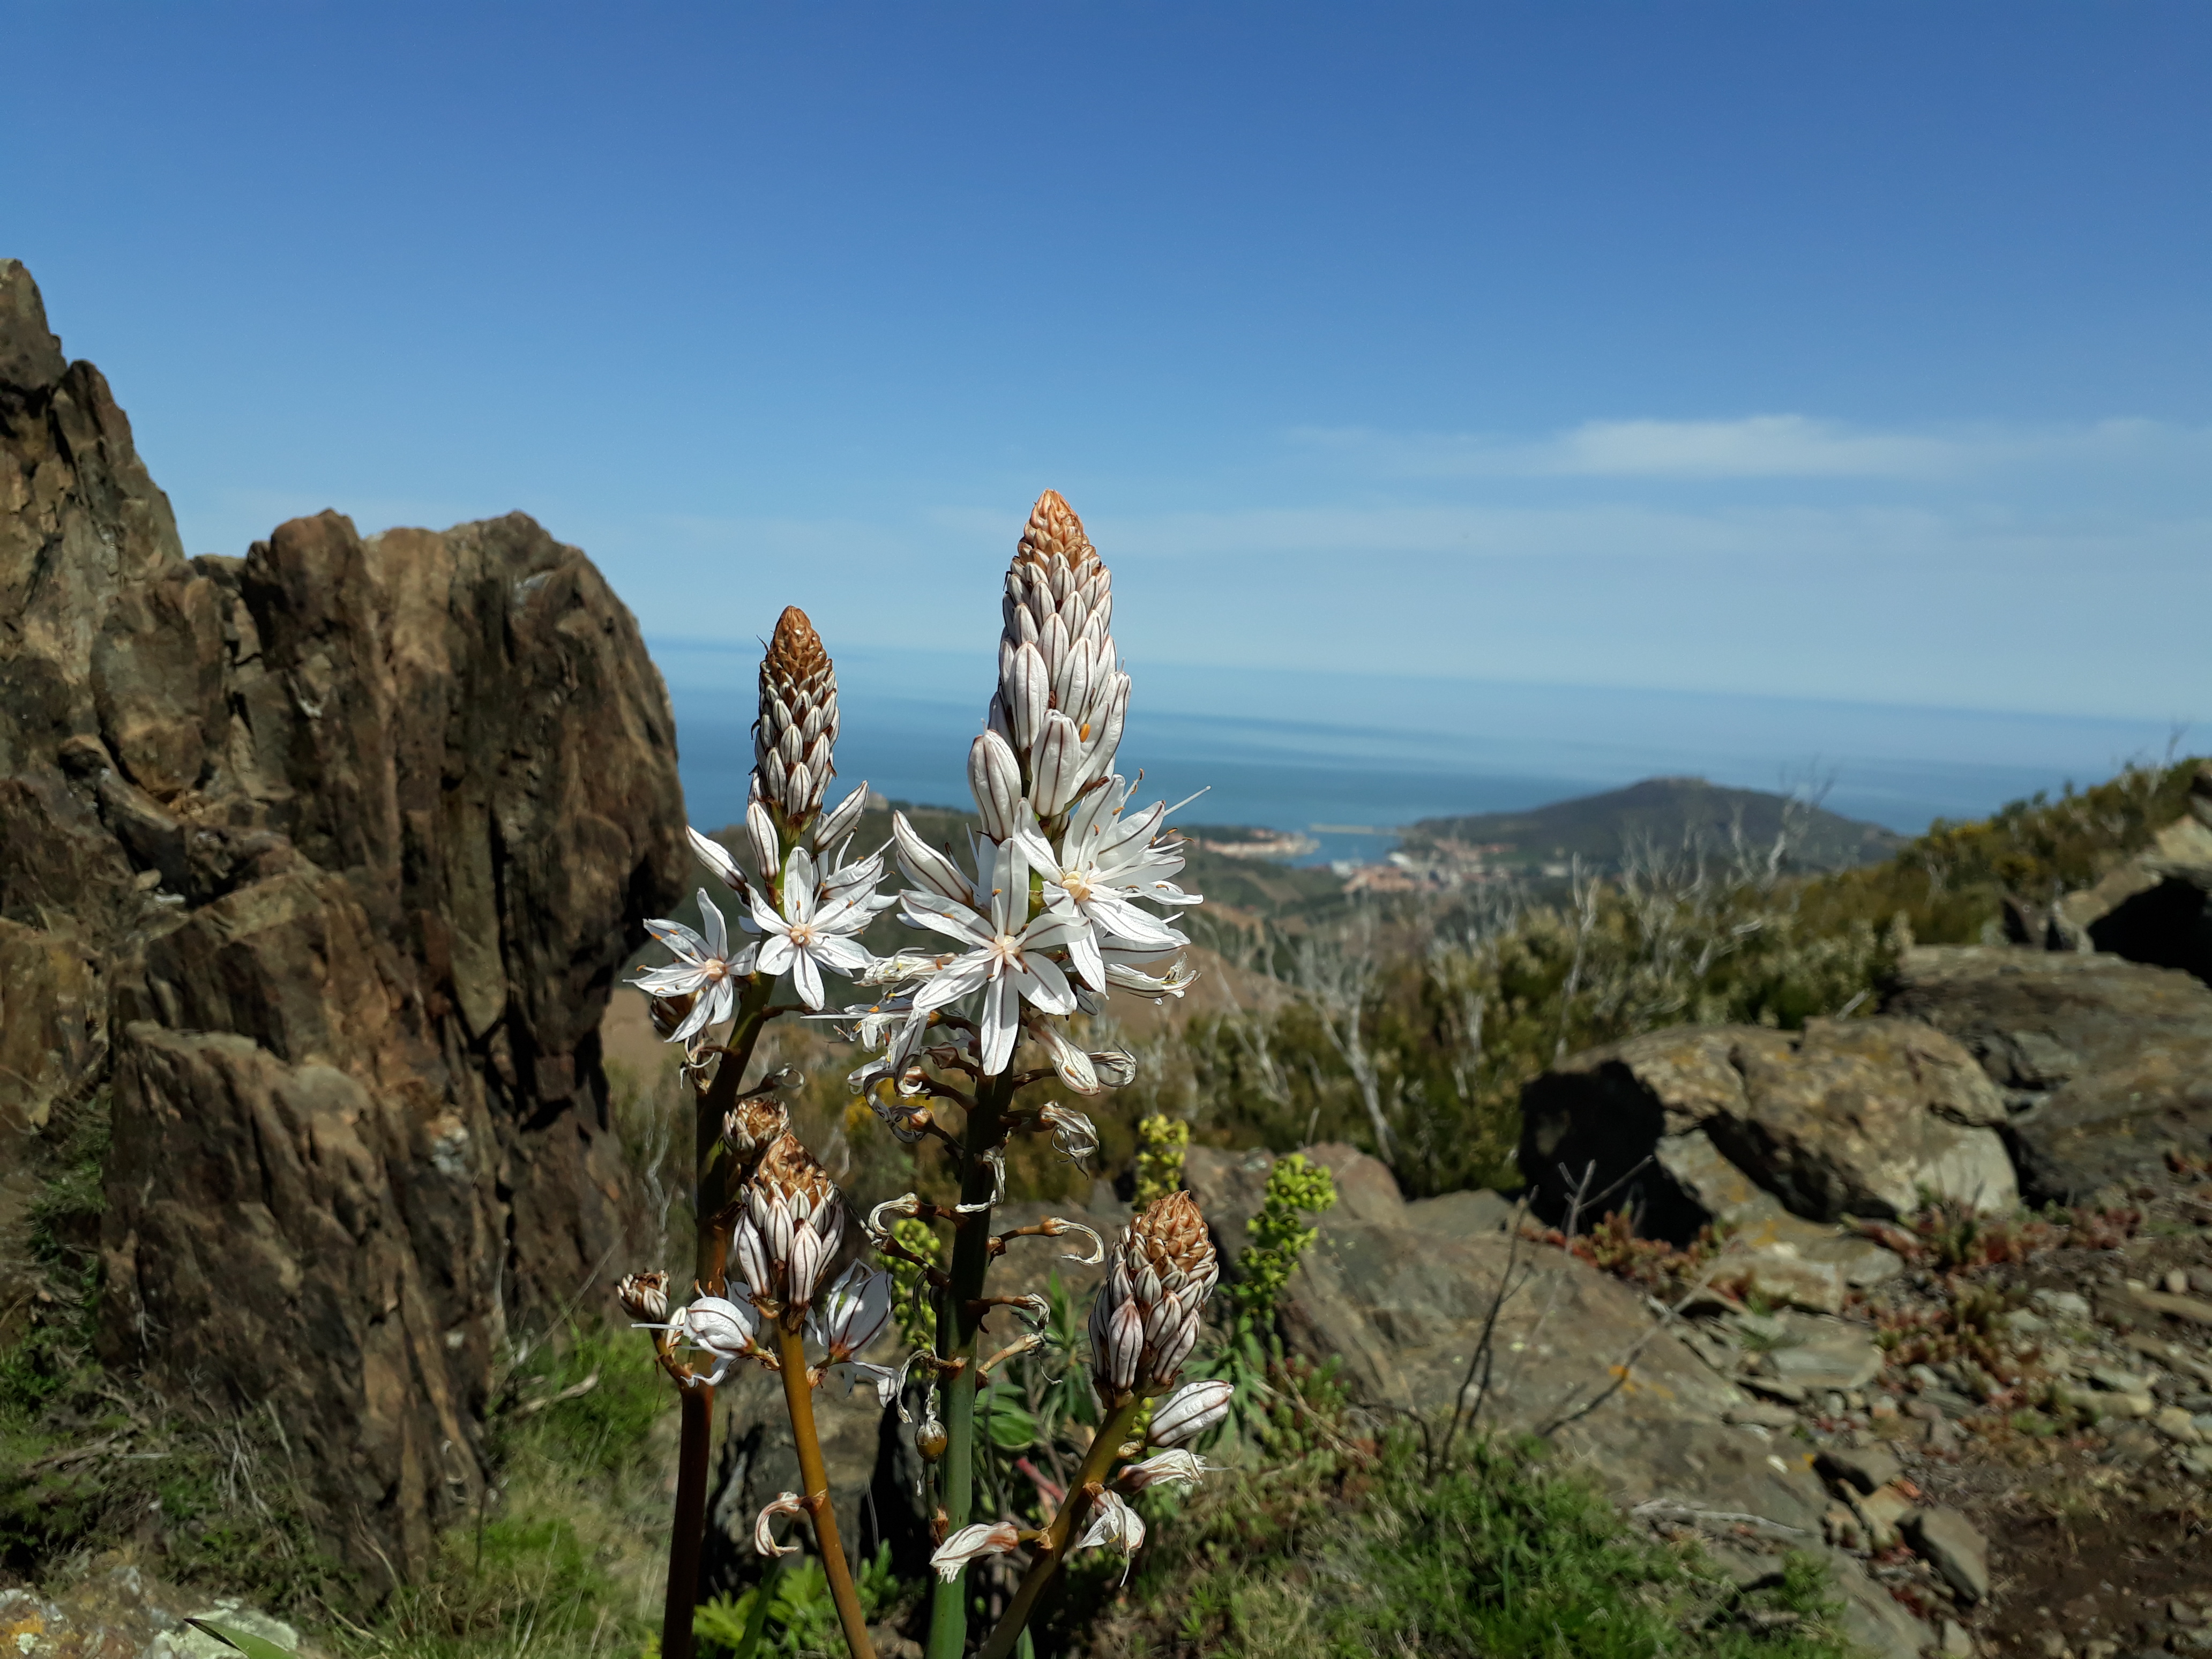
(704, 969)
(849, 1315)
(1144, 1320)
(644, 1296)
(1075, 1135)
(1169, 1467)
(788, 1503)
(972, 1544)
(791, 1226)
(1190, 1410)
(1116, 1526)
(797, 722)
(807, 935)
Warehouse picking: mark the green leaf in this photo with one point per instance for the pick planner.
(253, 1646)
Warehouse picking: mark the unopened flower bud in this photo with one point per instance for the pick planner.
(1190, 1410)
(644, 1296)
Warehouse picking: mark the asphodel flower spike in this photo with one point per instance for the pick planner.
(1062, 697)
(1145, 1319)
(798, 723)
(792, 1221)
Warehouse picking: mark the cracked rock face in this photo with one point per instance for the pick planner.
(2106, 1063)
(318, 864)
(1856, 1117)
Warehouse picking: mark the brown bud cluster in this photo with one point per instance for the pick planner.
(1145, 1319)
(798, 723)
(792, 1222)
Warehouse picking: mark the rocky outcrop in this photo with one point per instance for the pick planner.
(2107, 1064)
(1856, 1117)
(2155, 908)
(317, 865)
(1402, 1303)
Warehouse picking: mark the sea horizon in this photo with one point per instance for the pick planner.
(1350, 759)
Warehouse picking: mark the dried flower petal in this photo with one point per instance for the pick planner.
(788, 1503)
(972, 1544)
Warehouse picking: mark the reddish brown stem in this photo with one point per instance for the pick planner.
(691, 1525)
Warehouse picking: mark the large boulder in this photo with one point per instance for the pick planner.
(1402, 1305)
(316, 868)
(1847, 1117)
(2106, 1063)
(2156, 907)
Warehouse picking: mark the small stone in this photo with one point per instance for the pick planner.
(2113, 1380)
(1841, 1528)
(2198, 1463)
(1883, 1410)
(2176, 1282)
(2025, 1323)
(1947, 1541)
(2099, 1649)
(1863, 1468)
(2051, 1645)
(1942, 1436)
(1883, 1513)
(1756, 1414)
(1957, 1640)
(2176, 1425)
(2182, 1613)
(2061, 1305)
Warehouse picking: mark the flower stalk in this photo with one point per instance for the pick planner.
(814, 1474)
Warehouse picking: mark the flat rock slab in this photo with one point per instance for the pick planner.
(1947, 1542)
(1846, 1117)
(2112, 1059)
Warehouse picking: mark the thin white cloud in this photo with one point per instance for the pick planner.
(1761, 447)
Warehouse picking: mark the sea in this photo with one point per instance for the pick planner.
(1349, 759)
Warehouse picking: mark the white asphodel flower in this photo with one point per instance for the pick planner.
(808, 935)
(1116, 1526)
(1168, 1468)
(972, 1544)
(846, 1319)
(1007, 957)
(725, 1330)
(704, 969)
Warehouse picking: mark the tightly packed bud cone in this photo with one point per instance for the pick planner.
(1062, 696)
(1145, 1319)
(798, 723)
(794, 1220)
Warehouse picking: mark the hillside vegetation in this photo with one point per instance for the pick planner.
(1602, 830)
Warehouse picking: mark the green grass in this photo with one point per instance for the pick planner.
(1360, 1554)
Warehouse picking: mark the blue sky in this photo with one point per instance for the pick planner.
(1857, 353)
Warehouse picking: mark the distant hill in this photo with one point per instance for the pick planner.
(1664, 811)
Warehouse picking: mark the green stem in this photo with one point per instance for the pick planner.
(814, 1474)
(688, 1529)
(1053, 1551)
(958, 1319)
